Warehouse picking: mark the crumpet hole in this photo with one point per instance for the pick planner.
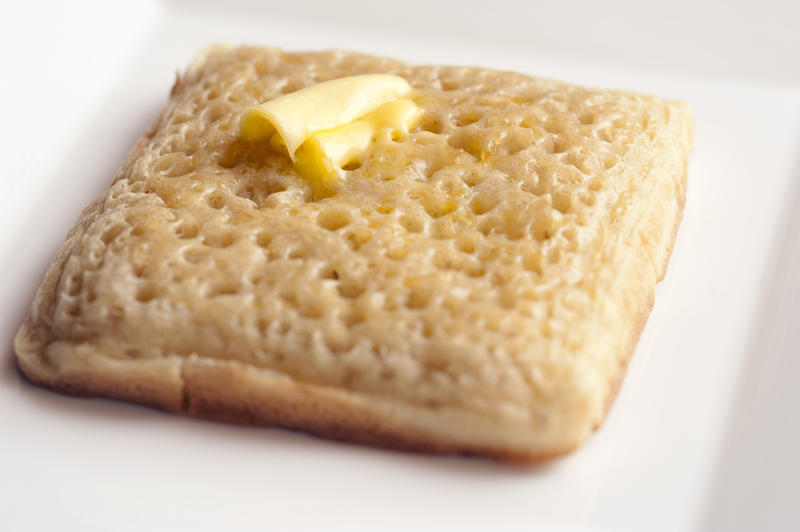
(333, 219)
(146, 293)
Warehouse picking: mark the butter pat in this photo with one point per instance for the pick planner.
(324, 153)
(298, 115)
(329, 125)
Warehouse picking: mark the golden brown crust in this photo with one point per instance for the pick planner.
(154, 383)
(230, 392)
(647, 307)
(313, 409)
(57, 347)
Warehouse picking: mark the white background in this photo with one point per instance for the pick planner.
(704, 434)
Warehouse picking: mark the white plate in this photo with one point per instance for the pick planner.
(704, 432)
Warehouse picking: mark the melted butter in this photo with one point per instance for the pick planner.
(328, 126)
(325, 153)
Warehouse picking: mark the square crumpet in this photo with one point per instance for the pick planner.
(475, 286)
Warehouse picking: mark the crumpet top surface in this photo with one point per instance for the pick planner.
(470, 264)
